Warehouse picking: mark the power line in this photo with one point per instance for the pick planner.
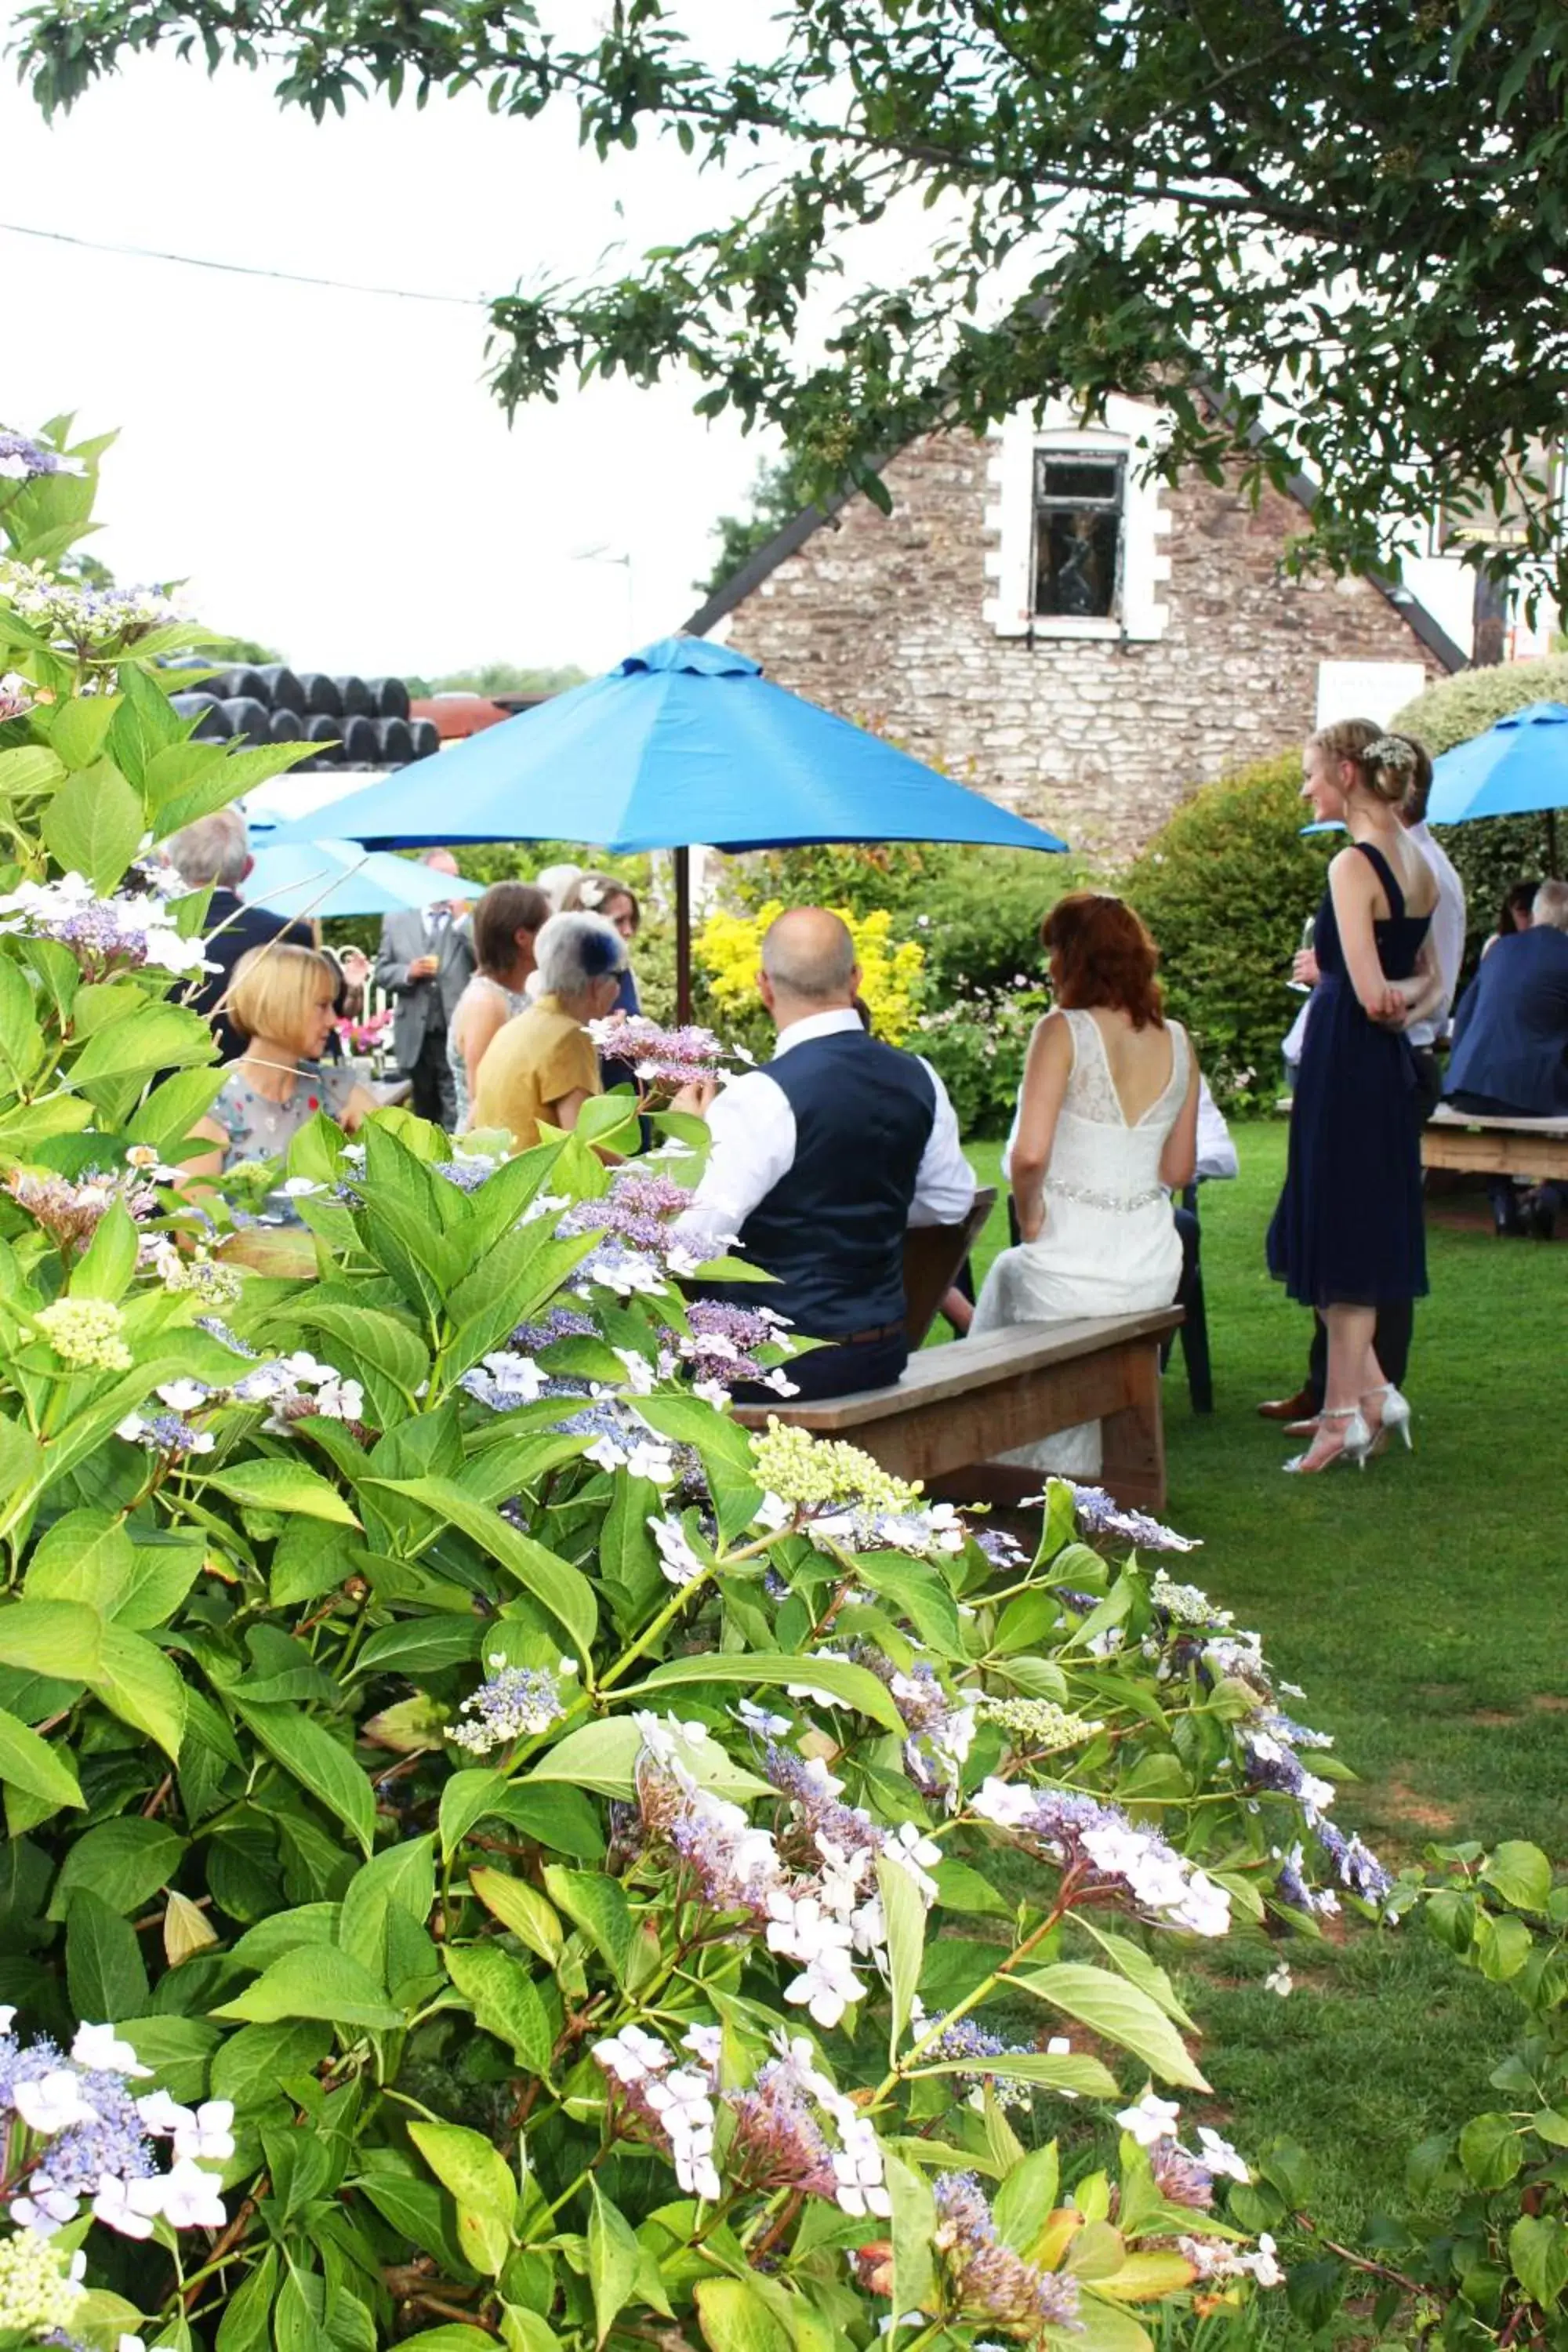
(244, 269)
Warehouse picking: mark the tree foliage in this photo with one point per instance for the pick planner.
(1351, 217)
(778, 494)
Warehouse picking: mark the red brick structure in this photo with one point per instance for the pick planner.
(1178, 649)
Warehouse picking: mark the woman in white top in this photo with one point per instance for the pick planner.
(507, 920)
(1107, 1125)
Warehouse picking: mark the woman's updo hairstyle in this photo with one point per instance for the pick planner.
(1102, 954)
(1392, 767)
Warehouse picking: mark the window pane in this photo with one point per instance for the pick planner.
(1080, 479)
(1077, 551)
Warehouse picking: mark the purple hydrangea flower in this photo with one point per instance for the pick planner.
(987, 2276)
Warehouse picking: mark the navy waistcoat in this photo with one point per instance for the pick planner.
(832, 1229)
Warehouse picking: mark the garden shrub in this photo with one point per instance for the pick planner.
(528, 1848)
(728, 948)
(1224, 886)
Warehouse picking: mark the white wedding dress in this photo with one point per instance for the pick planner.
(1108, 1244)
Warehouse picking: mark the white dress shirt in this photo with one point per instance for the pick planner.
(1447, 934)
(753, 1146)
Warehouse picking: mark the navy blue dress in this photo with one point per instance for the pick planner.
(1348, 1231)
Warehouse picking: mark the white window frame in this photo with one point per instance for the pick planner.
(1131, 430)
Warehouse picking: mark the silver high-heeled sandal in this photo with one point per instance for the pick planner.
(1355, 1445)
(1393, 1413)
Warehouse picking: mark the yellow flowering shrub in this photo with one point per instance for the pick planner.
(730, 954)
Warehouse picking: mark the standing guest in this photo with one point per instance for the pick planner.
(1511, 1046)
(282, 1000)
(506, 924)
(424, 961)
(1107, 1126)
(355, 967)
(820, 1162)
(540, 1068)
(555, 881)
(1515, 915)
(1347, 1235)
(1397, 1316)
(215, 853)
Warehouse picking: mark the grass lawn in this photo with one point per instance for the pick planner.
(1418, 1605)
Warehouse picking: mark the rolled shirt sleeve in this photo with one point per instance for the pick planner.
(752, 1129)
(944, 1183)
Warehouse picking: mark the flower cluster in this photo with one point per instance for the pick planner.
(93, 624)
(1110, 1852)
(504, 1380)
(86, 1333)
(1038, 1724)
(16, 695)
(663, 1058)
(1186, 1605)
(673, 2104)
(70, 1210)
(88, 2138)
(200, 1273)
(292, 1387)
(966, 2040)
(988, 2277)
(1183, 2176)
(512, 1703)
(21, 458)
(123, 933)
(729, 949)
(939, 1734)
(40, 2287)
(809, 1473)
(724, 1345)
(1100, 1515)
(636, 1208)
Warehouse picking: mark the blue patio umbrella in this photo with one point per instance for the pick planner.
(311, 878)
(1519, 765)
(684, 742)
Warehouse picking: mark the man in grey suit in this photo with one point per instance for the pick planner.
(424, 961)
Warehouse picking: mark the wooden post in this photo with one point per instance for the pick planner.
(683, 935)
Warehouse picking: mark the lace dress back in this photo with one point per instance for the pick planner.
(1108, 1244)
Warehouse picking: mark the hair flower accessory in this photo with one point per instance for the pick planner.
(1390, 752)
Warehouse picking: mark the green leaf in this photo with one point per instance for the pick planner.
(80, 728)
(51, 1637)
(318, 1762)
(504, 2000)
(88, 1556)
(959, 1888)
(254, 2063)
(613, 2258)
(1537, 2249)
(481, 2185)
(1521, 1875)
(105, 1268)
(912, 2229)
(1136, 1966)
(598, 1907)
(1025, 2197)
(94, 825)
(467, 1797)
(402, 1879)
(905, 1914)
(421, 1646)
(313, 1982)
(1086, 2078)
(156, 1037)
(29, 769)
(30, 1763)
(136, 1682)
(124, 1863)
(603, 1756)
(522, 1910)
(453, 2335)
(21, 1038)
(244, 2327)
(274, 1485)
(1109, 2006)
(561, 1588)
(734, 2318)
(104, 1972)
(833, 1678)
(1491, 2150)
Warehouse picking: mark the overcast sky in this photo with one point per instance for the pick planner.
(328, 470)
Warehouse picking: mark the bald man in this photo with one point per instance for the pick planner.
(821, 1160)
(424, 961)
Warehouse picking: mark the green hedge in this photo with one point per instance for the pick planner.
(1226, 886)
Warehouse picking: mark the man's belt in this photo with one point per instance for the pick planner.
(863, 1338)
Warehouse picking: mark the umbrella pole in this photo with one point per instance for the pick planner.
(1552, 841)
(683, 935)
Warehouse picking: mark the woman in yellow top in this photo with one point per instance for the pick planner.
(543, 1066)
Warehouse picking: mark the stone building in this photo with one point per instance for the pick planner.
(1078, 642)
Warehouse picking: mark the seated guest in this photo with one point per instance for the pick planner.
(543, 1066)
(1510, 1044)
(820, 1161)
(506, 922)
(603, 894)
(282, 1000)
(1515, 915)
(215, 853)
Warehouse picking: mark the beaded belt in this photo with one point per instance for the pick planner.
(1120, 1201)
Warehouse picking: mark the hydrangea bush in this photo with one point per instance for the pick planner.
(497, 1852)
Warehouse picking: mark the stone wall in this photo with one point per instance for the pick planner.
(879, 617)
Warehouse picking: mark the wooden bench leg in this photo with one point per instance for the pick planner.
(1132, 1458)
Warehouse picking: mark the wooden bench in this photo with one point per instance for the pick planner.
(1533, 1147)
(959, 1406)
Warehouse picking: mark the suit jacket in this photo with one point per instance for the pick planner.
(421, 1006)
(1510, 1033)
(234, 929)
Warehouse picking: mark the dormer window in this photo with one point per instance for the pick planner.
(1077, 520)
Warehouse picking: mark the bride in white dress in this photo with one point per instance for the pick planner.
(1107, 1125)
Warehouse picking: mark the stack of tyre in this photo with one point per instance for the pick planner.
(357, 722)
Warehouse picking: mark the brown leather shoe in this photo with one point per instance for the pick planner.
(1299, 1407)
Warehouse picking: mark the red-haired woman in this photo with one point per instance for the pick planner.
(1107, 1124)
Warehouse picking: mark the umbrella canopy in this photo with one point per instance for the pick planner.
(1517, 765)
(683, 742)
(312, 878)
